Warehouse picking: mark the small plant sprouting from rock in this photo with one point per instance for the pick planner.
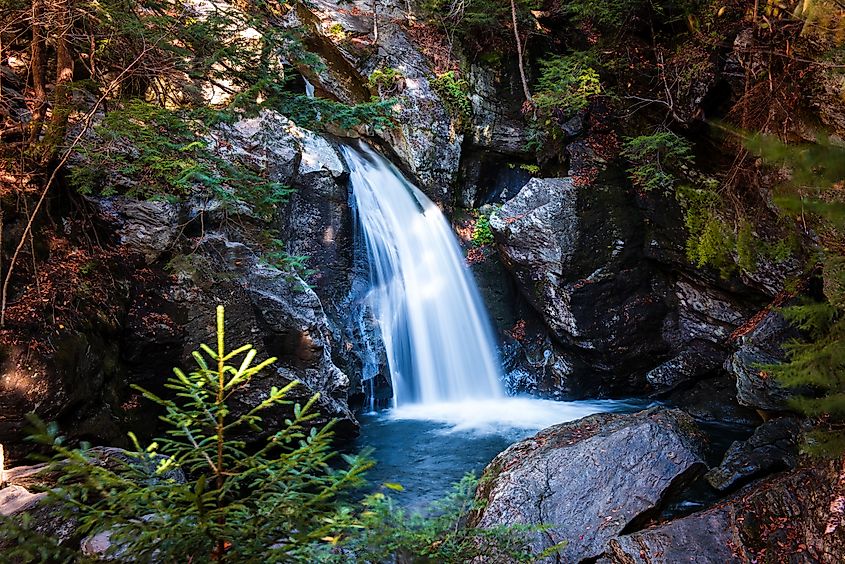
(278, 257)
(655, 159)
(386, 81)
(455, 93)
(482, 234)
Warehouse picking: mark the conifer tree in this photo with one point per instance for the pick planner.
(814, 194)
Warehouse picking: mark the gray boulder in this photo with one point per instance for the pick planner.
(575, 251)
(705, 313)
(590, 479)
(537, 233)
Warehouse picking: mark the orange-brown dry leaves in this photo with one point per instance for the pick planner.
(433, 44)
(73, 287)
(518, 331)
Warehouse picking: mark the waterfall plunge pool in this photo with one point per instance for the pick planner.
(428, 447)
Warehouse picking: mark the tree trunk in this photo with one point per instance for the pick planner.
(375, 21)
(64, 76)
(525, 89)
(39, 70)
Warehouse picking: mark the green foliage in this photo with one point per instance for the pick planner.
(385, 81)
(337, 32)
(710, 241)
(455, 93)
(163, 153)
(278, 502)
(286, 500)
(481, 233)
(816, 365)
(318, 113)
(278, 257)
(612, 14)
(566, 83)
(655, 157)
(471, 17)
(389, 532)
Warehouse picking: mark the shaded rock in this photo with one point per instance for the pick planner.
(763, 345)
(713, 400)
(280, 315)
(487, 178)
(772, 447)
(827, 100)
(590, 479)
(705, 313)
(691, 364)
(575, 252)
(494, 126)
(44, 517)
(782, 519)
(149, 228)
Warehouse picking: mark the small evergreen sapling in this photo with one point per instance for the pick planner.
(276, 503)
(202, 494)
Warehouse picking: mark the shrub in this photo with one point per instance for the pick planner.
(656, 158)
(385, 81)
(481, 233)
(280, 500)
(287, 500)
(455, 93)
(566, 83)
(162, 153)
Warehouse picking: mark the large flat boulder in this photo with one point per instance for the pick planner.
(591, 479)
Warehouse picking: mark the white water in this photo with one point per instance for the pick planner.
(507, 415)
(435, 330)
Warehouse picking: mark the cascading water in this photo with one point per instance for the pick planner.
(435, 330)
(450, 415)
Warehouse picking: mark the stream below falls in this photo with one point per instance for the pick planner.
(427, 448)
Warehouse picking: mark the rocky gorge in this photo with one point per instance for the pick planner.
(586, 275)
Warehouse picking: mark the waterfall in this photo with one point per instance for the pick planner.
(436, 334)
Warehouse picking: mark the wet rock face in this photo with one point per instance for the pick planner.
(782, 519)
(590, 479)
(772, 447)
(178, 261)
(576, 254)
(763, 345)
(700, 360)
